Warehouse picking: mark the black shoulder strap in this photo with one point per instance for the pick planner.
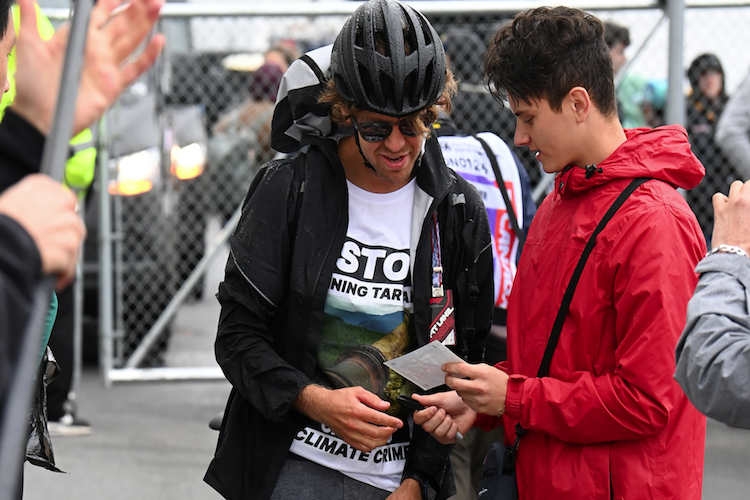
(565, 305)
(314, 66)
(503, 191)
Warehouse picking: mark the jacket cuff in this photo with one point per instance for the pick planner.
(488, 422)
(736, 265)
(513, 396)
(503, 366)
(427, 485)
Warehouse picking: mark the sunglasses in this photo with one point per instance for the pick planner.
(379, 131)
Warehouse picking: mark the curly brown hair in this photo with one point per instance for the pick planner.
(545, 52)
(420, 120)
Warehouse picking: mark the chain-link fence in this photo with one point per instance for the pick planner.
(184, 143)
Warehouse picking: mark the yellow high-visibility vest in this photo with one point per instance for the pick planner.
(79, 169)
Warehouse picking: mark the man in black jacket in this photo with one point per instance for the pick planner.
(344, 255)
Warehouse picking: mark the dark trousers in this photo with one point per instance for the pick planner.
(305, 480)
(61, 342)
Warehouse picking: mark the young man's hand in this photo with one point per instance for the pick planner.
(354, 414)
(481, 386)
(47, 211)
(732, 217)
(110, 42)
(445, 415)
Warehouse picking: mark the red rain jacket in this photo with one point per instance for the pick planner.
(610, 421)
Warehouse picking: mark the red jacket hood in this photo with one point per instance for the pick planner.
(662, 153)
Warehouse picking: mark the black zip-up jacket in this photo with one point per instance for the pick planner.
(21, 148)
(283, 253)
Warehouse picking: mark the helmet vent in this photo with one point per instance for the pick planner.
(359, 38)
(428, 40)
(428, 77)
(386, 85)
(410, 40)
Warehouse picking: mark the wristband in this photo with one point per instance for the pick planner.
(727, 249)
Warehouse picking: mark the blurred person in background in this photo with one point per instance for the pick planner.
(240, 141)
(282, 54)
(465, 154)
(256, 113)
(733, 131)
(631, 87)
(654, 102)
(474, 107)
(705, 104)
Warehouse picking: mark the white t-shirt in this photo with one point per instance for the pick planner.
(367, 315)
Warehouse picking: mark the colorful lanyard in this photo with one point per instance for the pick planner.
(437, 267)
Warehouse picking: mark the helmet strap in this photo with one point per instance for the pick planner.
(367, 163)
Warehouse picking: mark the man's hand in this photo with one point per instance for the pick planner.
(110, 41)
(732, 217)
(354, 414)
(46, 210)
(408, 490)
(444, 415)
(481, 386)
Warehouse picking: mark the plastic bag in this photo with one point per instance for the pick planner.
(39, 446)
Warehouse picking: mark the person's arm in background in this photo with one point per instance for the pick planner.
(40, 233)
(713, 365)
(733, 130)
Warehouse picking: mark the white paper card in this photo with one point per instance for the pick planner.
(423, 365)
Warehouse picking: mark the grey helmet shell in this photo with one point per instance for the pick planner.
(388, 59)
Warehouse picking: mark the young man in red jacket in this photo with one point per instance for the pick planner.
(609, 422)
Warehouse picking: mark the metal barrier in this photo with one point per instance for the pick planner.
(181, 147)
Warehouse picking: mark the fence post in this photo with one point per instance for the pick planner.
(105, 258)
(675, 113)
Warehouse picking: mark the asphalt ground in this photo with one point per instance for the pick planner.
(152, 441)
(149, 441)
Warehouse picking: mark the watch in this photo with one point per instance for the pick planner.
(727, 249)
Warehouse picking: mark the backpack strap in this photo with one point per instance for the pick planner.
(568, 297)
(314, 67)
(501, 184)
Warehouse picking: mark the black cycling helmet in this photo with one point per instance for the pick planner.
(388, 59)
